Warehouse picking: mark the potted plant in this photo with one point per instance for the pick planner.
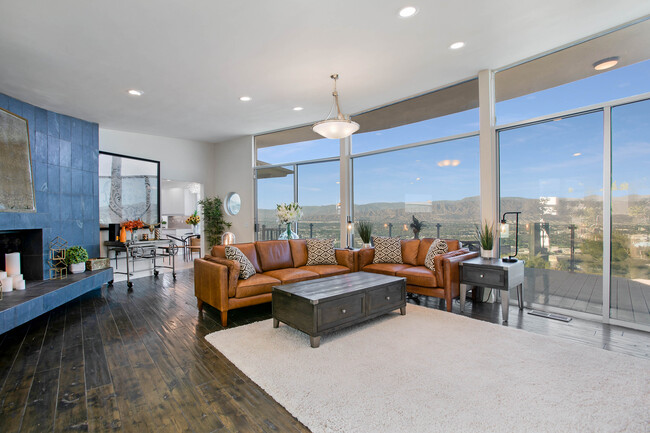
(416, 226)
(75, 258)
(364, 228)
(213, 223)
(485, 237)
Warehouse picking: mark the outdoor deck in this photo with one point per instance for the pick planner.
(630, 300)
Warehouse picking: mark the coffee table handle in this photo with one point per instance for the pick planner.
(343, 311)
(388, 298)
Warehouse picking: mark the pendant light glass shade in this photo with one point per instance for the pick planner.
(339, 126)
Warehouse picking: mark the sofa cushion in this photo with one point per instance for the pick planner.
(248, 249)
(387, 250)
(327, 270)
(452, 245)
(320, 252)
(437, 248)
(256, 285)
(410, 251)
(385, 268)
(298, 252)
(246, 269)
(274, 255)
(418, 276)
(291, 275)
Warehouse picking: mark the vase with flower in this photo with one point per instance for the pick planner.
(287, 214)
(132, 226)
(194, 221)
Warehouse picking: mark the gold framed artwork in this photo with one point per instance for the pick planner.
(16, 176)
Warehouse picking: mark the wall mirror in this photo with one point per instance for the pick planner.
(232, 203)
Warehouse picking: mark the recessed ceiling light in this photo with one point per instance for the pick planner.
(298, 108)
(135, 92)
(456, 45)
(607, 63)
(408, 11)
(245, 98)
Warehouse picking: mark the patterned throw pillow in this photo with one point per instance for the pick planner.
(320, 252)
(246, 267)
(437, 247)
(387, 250)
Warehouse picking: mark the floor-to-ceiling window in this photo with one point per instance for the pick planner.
(630, 235)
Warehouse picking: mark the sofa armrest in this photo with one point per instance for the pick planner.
(233, 272)
(366, 256)
(211, 283)
(345, 257)
(450, 269)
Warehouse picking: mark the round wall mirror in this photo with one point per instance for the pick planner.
(232, 203)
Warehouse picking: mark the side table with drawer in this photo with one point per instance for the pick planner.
(495, 274)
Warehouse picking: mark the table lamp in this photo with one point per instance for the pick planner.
(349, 227)
(511, 258)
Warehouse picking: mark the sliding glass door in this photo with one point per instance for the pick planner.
(630, 246)
(552, 172)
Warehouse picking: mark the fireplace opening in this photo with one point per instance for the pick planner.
(29, 243)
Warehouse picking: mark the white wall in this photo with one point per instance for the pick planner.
(233, 172)
(185, 160)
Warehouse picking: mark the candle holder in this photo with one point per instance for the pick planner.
(511, 258)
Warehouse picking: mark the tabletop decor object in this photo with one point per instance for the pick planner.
(56, 262)
(194, 220)
(132, 226)
(76, 257)
(287, 214)
(511, 258)
(364, 228)
(485, 236)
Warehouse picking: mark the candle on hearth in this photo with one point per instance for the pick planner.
(20, 285)
(16, 278)
(3, 275)
(7, 284)
(12, 263)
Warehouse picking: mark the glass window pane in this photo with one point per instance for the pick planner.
(618, 83)
(445, 126)
(438, 184)
(552, 173)
(274, 186)
(630, 253)
(318, 194)
(293, 152)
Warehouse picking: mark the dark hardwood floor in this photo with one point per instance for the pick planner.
(137, 361)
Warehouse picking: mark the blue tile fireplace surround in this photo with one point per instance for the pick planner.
(64, 153)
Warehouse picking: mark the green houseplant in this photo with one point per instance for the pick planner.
(213, 222)
(485, 237)
(364, 228)
(75, 258)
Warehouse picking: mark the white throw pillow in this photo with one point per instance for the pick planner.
(246, 267)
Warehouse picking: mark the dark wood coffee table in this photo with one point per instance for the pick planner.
(328, 304)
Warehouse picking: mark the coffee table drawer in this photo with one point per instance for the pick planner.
(334, 313)
(385, 297)
(483, 277)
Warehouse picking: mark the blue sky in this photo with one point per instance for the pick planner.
(536, 160)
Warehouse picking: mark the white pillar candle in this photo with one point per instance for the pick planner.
(20, 285)
(7, 284)
(16, 279)
(12, 263)
(3, 275)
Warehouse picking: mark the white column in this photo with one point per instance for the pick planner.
(346, 188)
(489, 156)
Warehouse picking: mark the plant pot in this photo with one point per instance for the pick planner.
(367, 245)
(487, 254)
(77, 268)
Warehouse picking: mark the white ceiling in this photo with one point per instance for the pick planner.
(194, 59)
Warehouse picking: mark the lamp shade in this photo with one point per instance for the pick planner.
(336, 128)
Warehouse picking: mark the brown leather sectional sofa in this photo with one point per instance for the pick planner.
(217, 283)
(443, 283)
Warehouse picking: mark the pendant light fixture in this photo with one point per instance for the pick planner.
(336, 127)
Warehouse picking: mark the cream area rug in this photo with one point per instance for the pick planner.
(432, 371)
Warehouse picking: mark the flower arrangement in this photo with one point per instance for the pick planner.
(288, 213)
(194, 219)
(133, 224)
